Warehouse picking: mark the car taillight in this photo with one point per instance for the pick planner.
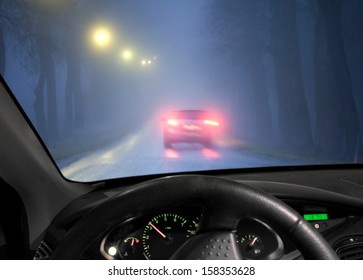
(212, 123)
(172, 122)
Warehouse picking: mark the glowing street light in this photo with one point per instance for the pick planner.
(101, 37)
(146, 62)
(127, 55)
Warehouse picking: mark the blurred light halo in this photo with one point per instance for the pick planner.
(127, 54)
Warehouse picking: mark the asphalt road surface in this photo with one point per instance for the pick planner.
(143, 153)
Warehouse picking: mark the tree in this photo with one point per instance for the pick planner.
(32, 23)
(72, 27)
(46, 82)
(294, 119)
(337, 116)
(37, 36)
(5, 24)
(240, 37)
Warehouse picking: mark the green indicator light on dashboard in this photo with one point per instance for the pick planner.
(316, 217)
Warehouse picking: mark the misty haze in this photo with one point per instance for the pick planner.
(132, 87)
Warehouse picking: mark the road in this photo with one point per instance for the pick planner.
(143, 153)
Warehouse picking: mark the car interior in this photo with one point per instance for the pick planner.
(285, 211)
(48, 213)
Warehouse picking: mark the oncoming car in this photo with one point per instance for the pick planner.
(82, 164)
(189, 126)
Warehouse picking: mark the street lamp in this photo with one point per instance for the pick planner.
(101, 37)
(146, 62)
(127, 55)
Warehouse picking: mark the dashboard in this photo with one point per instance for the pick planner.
(160, 234)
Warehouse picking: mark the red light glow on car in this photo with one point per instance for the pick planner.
(209, 153)
(212, 123)
(171, 153)
(172, 122)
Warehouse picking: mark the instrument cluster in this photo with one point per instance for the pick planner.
(160, 235)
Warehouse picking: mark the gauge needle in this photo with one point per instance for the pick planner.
(157, 230)
(253, 241)
(134, 240)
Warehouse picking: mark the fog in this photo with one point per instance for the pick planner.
(282, 80)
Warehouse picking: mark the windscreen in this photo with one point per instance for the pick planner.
(133, 87)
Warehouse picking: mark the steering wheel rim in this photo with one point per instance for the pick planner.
(238, 200)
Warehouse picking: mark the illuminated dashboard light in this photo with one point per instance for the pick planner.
(213, 123)
(316, 217)
(112, 251)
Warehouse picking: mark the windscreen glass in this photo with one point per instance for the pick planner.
(133, 87)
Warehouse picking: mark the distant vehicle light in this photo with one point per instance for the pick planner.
(212, 123)
(172, 122)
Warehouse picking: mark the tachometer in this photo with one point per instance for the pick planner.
(165, 233)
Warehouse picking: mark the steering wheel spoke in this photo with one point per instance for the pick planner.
(215, 245)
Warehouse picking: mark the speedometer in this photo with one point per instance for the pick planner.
(165, 233)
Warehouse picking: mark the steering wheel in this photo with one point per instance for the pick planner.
(225, 203)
